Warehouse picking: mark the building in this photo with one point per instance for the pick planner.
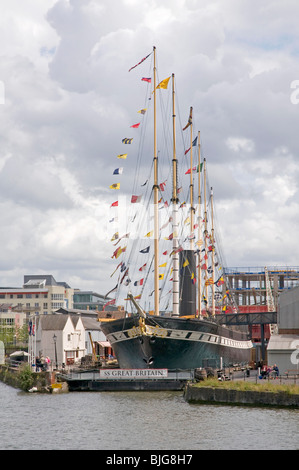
(89, 300)
(11, 323)
(40, 294)
(61, 339)
(283, 348)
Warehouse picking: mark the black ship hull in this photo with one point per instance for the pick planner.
(175, 343)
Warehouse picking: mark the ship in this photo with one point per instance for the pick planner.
(187, 335)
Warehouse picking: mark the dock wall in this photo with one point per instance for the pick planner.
(203, 394)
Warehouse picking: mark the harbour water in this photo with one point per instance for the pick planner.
(138, 421)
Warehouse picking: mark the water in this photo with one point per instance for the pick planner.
(138, 421)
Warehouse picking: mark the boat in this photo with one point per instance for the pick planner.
(189, 335)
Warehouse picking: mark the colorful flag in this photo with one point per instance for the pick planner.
(145, 79)
(114, 204)
(161, 276)
(189, 120)
(135, 126)
(111, 302)
(139, 283)
(219, 281)
(142, 60)
(142, 267)
(145, 250)
(127, 140)
(162, 185)
(193, 145)
(185, 263)
(149, 234)
(115, 186)
(135, 199)
(122, 155)
(142, 111)
(163, 265)
(115, 236)
(209, 282)
(189, 171)
(163, 84)
(118, 171)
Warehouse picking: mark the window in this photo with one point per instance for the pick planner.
(69, 337)
(28, 296)
(2, 296)
(45, 305)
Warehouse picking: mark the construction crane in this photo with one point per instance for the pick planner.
(94, 356)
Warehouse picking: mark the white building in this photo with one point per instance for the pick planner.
(61, 339)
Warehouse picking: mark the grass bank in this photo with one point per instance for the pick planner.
(242, 385)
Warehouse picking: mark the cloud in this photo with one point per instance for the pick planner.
(69, 100)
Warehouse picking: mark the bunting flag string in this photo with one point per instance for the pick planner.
(112, 290)
(111, 302)
(142, 60)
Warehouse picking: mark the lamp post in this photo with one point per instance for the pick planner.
(55, 339)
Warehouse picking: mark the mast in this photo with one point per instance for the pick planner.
(206, 224)
(174, 200)
(191, 187)
(156, 198)
(213, 255)
(199, 232)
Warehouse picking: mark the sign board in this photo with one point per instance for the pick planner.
(133, 373)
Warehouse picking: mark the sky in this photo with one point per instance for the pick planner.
(67, 99)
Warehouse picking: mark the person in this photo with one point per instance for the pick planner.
(275, 370)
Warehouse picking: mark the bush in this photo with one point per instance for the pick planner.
(26, 377)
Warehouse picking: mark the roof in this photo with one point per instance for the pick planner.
(91, 323)
(53, 322)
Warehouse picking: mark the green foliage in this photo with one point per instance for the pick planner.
(26, 377)
(265, 386)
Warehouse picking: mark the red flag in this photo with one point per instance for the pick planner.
(114, 204)
(135, 126)
(145, 79)
(135, 199)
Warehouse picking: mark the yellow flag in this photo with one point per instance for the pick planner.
(122, 155)
(161, 276)
(187, 221)
(185, 263)
(163, 265)
(192, 276)
(164, 83)
(115, 186)
(115, 236)
(149, 234)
